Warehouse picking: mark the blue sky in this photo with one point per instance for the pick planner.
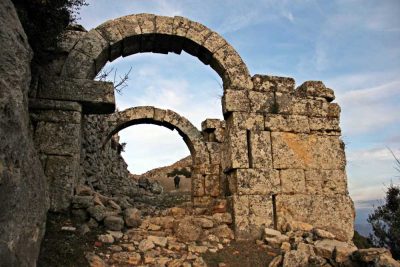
(351, 45)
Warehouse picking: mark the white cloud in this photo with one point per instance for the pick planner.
(372, 154)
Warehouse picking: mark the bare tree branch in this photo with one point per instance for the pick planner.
(122, 82)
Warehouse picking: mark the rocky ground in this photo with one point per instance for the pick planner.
(165, 230)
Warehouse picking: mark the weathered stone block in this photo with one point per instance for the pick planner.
(288, 104)
(332, 213)
(130, 30)
(85, 70)
(94, 46)
(69, 39)
(235, 100)
(181, 26)
(235, 77)
(46, 104)
(301, 151)
(315, 89)
(58, 138)
(214, 150)
(96, 97)
(255, 181)
(245, 121)
(164, 25)
(212, 186)
(260, 150)
(241, 212)
(214, 42)
(109, 31)
(260, 215)
(267, 83)
(211, 124)
(292, 181)
(287, 123)
(198, 185)
(324, 124)
(61, 173)
(262, 102)
(235, 152)
(59, 116)
(328, 182)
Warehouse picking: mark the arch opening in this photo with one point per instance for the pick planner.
(158, 34)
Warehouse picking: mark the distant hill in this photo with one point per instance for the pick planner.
(161, 175)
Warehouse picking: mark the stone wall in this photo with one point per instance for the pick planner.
(23, 194)
(284, 158)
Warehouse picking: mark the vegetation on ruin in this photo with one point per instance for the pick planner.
(183, 171)
(385, 219)
(44, 21)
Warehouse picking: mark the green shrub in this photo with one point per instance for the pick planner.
(44, 21)
(183, 171)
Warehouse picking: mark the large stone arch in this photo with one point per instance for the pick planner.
(138, 33)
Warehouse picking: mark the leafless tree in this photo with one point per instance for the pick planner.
(119, 82)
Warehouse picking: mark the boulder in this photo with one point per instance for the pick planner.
(295, 258)
(158, 240)
(132, 217)
(130, 258)
(185, 230)
(145, 245)
(114, 223)
(323, 234)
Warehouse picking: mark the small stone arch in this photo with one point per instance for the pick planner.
(139, 33)
(162, 117)
(171, 120)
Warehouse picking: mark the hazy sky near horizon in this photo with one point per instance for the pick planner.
(353, 46)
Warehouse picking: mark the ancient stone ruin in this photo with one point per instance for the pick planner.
(277, 156)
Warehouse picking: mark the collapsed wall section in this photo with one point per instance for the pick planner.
(102, 165)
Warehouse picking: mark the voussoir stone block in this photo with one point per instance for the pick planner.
(110, 32)
(302, 151)
(96, 47)
(130, 31)
(164, 25)
(181, 26)
(214, 42)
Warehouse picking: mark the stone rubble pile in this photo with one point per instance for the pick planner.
(176, 237)
(302, 244)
